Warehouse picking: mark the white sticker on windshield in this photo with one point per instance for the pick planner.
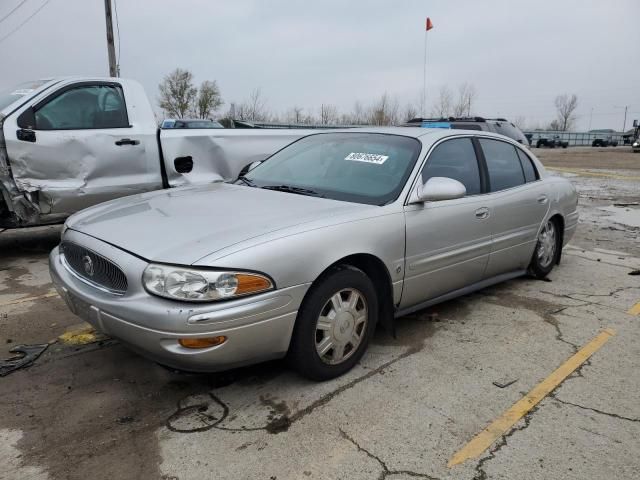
(367, 158)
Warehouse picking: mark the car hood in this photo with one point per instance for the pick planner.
(183, 225)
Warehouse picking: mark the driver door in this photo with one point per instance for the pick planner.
(78, 146)
(447, 242)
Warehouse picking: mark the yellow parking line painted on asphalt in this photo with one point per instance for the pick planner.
(508, 419)
(579, 171)
(635, 310)
(29, 299)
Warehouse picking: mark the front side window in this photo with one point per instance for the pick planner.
(86, 107)
(455, 159)
(368, 168)
(503, 164)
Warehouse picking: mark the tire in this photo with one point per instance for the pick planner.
(329, 338)
(538, 144)
(547, 250)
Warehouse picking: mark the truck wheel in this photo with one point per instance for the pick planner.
(334, 324)
(545, 256)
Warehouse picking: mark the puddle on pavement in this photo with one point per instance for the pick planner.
(623, 215)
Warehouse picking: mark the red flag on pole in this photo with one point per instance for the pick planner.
(429, 24)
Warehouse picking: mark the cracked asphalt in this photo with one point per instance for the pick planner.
(100, 411)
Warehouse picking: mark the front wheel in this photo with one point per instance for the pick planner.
(334, 324)
(547, 250)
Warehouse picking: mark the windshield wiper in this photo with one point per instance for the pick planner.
(292, 189)
(247, 181)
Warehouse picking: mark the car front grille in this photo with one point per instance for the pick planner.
(94, 268)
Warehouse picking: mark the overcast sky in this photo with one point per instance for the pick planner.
(518, 55)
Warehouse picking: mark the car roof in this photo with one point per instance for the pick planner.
(430, 134)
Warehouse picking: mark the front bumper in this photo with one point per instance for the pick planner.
(257, 328)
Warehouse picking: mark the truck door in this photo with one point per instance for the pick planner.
(85, 143)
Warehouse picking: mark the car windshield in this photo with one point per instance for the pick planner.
(368, 168)
(7, 97)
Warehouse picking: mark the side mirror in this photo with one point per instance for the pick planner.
(438, 188)
(27, 119)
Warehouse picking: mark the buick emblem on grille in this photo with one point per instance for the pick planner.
(87, 263)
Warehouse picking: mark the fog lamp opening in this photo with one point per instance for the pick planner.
(202, 342)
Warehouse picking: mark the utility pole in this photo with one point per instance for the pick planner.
(624, 123)
(113, 67)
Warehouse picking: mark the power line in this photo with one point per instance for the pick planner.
(2, 39)
(16, 8)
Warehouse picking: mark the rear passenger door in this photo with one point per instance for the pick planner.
(518, 203)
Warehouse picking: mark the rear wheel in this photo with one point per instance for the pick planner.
(547, 250)
(334, 324)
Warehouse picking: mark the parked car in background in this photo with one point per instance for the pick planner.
(604, 142)
(67, 144)
(190, 123)
(636, 145)
(308, 251)
(495, 125)
(551, 142)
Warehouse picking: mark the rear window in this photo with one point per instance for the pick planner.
(467, 126)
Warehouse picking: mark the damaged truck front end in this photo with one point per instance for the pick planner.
(17, 208)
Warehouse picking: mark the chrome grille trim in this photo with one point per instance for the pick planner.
(108, 277)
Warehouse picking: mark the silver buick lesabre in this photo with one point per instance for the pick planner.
(307, 251)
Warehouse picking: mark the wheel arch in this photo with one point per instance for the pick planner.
(558, 219)
(377, 271)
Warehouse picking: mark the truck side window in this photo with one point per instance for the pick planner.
(84, 107)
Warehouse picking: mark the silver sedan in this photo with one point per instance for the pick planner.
(307, 251)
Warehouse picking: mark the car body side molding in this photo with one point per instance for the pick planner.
(461, 291)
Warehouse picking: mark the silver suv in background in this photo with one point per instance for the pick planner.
(495, 125)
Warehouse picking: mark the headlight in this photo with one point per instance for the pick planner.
(200, 285)
(636, 144)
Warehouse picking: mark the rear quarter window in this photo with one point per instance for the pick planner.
(503, 164)
(529, 169)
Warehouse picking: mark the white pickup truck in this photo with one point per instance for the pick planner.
(69, 143)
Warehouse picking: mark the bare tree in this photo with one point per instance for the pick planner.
(444, 105)
(409, 112)
(208, 100)
(565, 108)
(295, 114)
(466, 96)
(384, 111)
(328, 114)
(256, 106)
(358, 115)
(177, 93)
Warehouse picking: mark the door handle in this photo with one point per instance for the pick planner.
(482, 213)
(127, 141)
(542, 199)
(26, 135)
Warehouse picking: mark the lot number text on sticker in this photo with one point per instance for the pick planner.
(367, 158)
